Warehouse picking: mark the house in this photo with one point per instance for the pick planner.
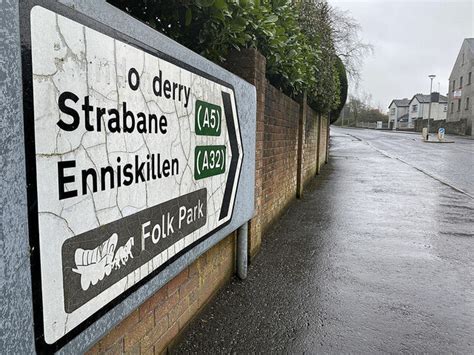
(419, 107)
(397, 110)
(461, 86)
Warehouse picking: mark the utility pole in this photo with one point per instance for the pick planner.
(431, 76)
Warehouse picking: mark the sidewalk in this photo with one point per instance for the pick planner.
(377, 257)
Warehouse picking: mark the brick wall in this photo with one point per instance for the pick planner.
(323, 141)
(152, 327)
(279, 154)
(310, 146)
(157, 323)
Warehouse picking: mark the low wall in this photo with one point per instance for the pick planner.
(323, 141)
(310, 148)
(453, 127)
(276, 160)
(279, 154)
(291, 146)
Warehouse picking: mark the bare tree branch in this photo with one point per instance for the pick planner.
(348, 45)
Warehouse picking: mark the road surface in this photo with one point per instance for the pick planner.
(452, 163)
(377, 257)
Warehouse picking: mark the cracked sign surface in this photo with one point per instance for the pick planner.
(137, 159)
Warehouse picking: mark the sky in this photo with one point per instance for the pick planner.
(411, 40)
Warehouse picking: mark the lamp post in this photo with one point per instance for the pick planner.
(431, 76)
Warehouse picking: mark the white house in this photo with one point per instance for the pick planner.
(419, 107)
(397, 110)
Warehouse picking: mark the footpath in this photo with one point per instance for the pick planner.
(376, 257)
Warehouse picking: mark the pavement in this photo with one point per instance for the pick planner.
(378, 256)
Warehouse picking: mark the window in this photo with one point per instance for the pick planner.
(459, 105)
(452, 107)
(469, 77)
(414, 108)
(460, 82)
(467, 103)
(462, 59)
(445, 108)
(392, 111)
(454, 85)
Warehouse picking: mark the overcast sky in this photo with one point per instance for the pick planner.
(411, 39)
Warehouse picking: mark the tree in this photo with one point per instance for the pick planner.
(348, 45)
(360, 109)
(343, 89)
(315, 22)
(342, 51)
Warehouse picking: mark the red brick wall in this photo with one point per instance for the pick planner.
(157, 322)
(323, 140)
(279, 154)
(310, 147)
(276, 144)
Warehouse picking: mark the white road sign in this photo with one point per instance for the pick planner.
(137, 160)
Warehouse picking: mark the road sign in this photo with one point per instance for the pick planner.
(441, 133)
(137, 159)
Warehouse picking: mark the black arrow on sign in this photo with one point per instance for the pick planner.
(234, 148)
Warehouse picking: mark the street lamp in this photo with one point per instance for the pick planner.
(431, 76)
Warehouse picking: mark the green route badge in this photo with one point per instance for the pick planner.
(208, 119)
(209, 161)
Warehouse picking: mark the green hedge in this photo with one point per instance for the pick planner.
(343, 89)
(298, 58)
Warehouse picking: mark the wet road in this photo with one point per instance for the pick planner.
(377, 257)
(449, 163)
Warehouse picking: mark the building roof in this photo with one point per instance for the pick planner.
(470, 42)
(400, 102)
(425, 99)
